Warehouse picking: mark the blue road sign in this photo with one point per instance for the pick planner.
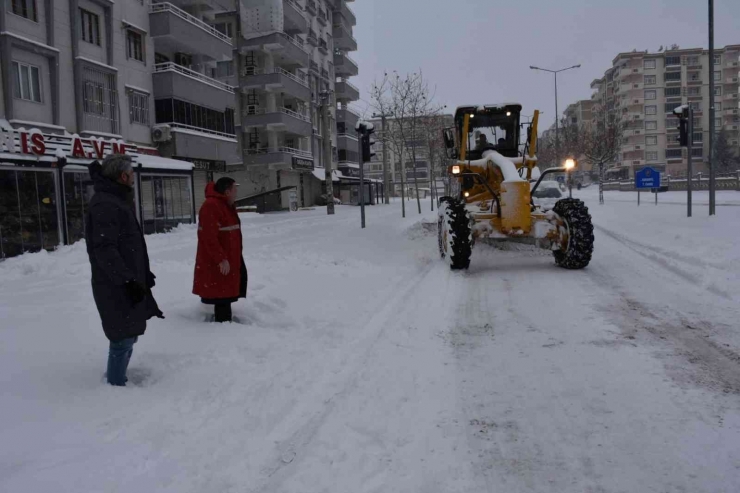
(647, 178)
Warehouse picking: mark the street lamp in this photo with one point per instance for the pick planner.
(557, 137)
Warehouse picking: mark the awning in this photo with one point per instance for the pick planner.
(320, 174)
(156, 162)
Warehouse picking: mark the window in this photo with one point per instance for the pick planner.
(717, 106)
(650, 64)
(695, 76)
(697, 152)
(90, 27)
(652, 94)
(184, 113)
(717, 76)
(674, 91)
(698, 137)
(184, 60)
(694, 91)
(673, 153)
(669, 107)
(717, 59)
(224, 69)
(26, 82)
(25, 8)
(695, 105)
(693, 60)
(134, 45)
(225, 28)
(651, 110)
(672, 60)
(138, 107)
(99, 100)
(651, 155)
(651, 125)
(718, 122)
(650, 80)
(718, 90)
(673, 76)
(651, 140)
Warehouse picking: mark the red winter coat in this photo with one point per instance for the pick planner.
(219, 238)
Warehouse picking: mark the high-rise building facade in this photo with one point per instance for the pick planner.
(645, 88)
(294, 58)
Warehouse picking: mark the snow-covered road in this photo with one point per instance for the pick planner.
(365, 365)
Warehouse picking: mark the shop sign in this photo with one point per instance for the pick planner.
(158, 197)
(302, 164)
(34, 143)
(350, 171)
(205, 164)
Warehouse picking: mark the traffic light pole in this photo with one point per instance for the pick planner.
(690, 146)
(712, 169)
(327, 154)
(360, 137)
(386, 172)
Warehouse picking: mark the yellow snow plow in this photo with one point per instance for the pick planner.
(491, 185)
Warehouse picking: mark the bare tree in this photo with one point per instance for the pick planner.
(726, 156)
(386, 102)
(601, 142)
(431, 132)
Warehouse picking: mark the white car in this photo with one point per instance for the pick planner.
(547, 194)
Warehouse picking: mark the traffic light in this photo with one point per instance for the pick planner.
(683, 132)
(368, 141)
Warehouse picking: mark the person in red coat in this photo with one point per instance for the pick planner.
(220, 272)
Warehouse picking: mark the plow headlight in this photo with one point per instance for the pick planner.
(467, 194)
(570, 164)
(456, 170)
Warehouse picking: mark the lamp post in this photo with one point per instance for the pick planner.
(557, 137)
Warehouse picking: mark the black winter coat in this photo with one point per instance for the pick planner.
(117, 251)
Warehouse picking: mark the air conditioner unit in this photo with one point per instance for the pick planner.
(252, 109)
(161, 133)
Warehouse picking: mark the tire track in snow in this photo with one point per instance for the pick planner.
(292, 442)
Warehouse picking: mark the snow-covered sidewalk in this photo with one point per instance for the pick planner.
(365, 365)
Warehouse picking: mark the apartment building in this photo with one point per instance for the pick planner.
(579, 113)
(293, 52)
(193, 85)
(425, 161)
(76, 85)
(646, 87)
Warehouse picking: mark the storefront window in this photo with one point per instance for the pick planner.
(166, 202)
(28, 212)
(78, 190)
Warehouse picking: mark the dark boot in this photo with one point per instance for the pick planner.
(223, 312)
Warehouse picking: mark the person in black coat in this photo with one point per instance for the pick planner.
(121, 279)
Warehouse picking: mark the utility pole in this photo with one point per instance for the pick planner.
(386, 172)
(690, 146)
(360, 138)
(712, 183)
(325, 97)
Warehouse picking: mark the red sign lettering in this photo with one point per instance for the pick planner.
(77, 149)
(119, 147)
(39, 146)
(99, 147)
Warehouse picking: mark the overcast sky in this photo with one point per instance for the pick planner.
(479, 51)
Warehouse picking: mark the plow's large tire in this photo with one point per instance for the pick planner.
(454, 236)
(580, 247)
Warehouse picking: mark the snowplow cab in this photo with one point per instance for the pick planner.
(490, 127)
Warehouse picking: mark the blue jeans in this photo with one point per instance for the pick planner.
(119, 355)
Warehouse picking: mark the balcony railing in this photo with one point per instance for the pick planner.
(279, 150)
(173, 67)
(732, 80)
(168, 7)
(296, 41)
(201, 130)
(295, 114)
(247, 71)
(323, 17)
(314, 67)
(311, 6)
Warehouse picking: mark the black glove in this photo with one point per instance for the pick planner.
(135, 291)
(150, 280)
(160, 314)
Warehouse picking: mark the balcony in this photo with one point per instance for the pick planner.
(730, 96)
(348, 117)
(343, 38)
(633, 86)
(174, 30)
(322, 17)
(344, 65)
(345, 91)
(731, 80)
(323, 46)
(277, 158)
(314, 67)
(277, 80)
(635, 101)
(282, 119)
(347, 141)
(312, 39)
(732, 64)
(294, 20)
(174, 81)
(287, 50)
(694, 82)
(311, 7)
(732, 111)
(324, 74)
(733, 127)
(346, 13)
